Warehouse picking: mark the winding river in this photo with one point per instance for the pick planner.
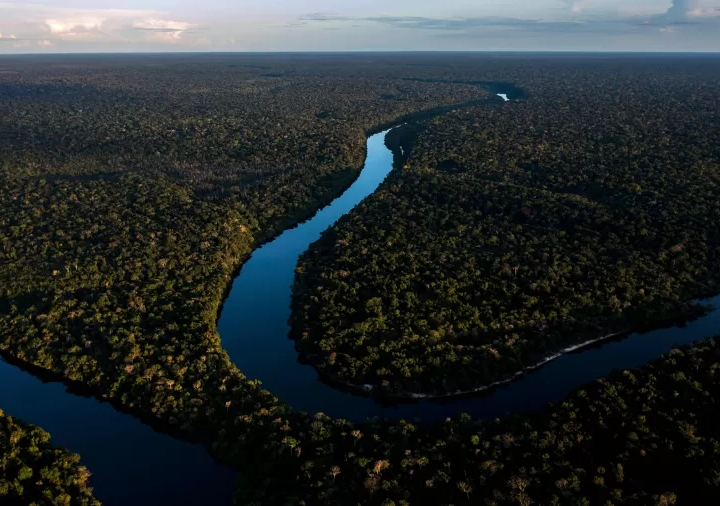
(133, 464)
(254, 330)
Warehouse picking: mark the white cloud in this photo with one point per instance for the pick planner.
(370, 24)
(85, 36)
(73, 24)
(161, 30)
(161, 24)
(704, 9)
(639, 10)
(683, 11)
(580, 5)
(58, 24)
(686, 9)
(33, 44)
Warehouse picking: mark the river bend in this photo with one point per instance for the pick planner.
(254, 330)
(132, 464)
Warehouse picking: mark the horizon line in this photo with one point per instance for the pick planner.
(369, 51)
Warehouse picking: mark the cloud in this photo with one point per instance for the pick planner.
(577, 24)
(474, 27)
(686, 12)
(577, 6)
(641, 10)
(449, 24)
(710, 11)
(471, 26)
(29, 43)
(323, 16)
(161, 30)
(578, 16)
(161, 25)
(297, 24)
(21, 43)
(76, 25)
(533, 24)
(681, 10)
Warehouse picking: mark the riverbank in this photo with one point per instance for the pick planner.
(134, 457)
(34, 471)
(254, 332)
(82, 411)
(192, 385)
(484, 254)
(336, 184)
(371, 390)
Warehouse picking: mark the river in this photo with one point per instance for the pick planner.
(130, 462)
(133, 464)
(254, 330)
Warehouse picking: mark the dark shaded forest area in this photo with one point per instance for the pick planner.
(132, 188)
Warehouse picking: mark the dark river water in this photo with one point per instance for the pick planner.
(133, 464)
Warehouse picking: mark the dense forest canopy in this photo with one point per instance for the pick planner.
(268, 132)
(32, 472)
(133, 187)
(513, 231)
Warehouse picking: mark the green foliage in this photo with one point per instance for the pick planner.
(33, 472)
(133, 189)
(131, 193)
(647, 436)
(512, 232)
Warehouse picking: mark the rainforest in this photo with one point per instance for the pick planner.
(264, 266)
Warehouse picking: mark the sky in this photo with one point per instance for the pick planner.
(63, 26)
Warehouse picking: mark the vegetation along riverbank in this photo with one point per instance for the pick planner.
(510, 233)
(32, 471)
(134, 187)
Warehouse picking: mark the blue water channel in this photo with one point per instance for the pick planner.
(254, 330)
(131, 463)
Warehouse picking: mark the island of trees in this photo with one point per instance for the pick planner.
(132, 189)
